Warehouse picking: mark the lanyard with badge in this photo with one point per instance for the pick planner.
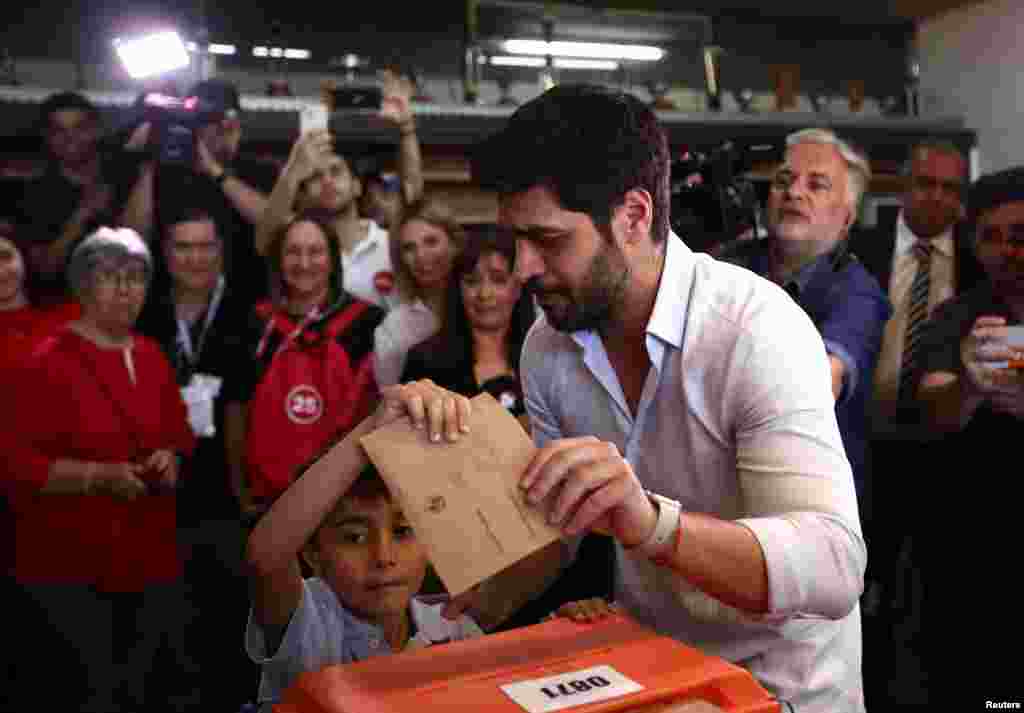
(202, 389)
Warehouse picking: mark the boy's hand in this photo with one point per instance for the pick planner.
(443, 413)
(586, 610)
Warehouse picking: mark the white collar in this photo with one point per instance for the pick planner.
(374, 236)
(905, 239)
(672, 299)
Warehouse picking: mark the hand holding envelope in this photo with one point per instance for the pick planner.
(464, 501)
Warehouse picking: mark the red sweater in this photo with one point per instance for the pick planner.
(61, 411)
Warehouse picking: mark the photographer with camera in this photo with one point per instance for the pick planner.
(85, 182)
(318, 179)
(194, 159)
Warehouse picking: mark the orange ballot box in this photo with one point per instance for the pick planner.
(611, 665)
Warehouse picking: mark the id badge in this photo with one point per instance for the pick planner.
(199, 395)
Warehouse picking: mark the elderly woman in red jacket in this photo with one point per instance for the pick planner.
(96, 430)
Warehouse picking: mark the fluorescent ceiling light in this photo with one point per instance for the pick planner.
(220, 49)
(276, 52)
(589, 50)
(152, 54)
(559, 62)
(297, 54)
(509, 61)
(599, 64)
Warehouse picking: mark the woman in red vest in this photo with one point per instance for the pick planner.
(311, 376)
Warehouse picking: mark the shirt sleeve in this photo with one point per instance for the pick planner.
(535, 375)
(301, 649)
(795, 480)
(852, 330)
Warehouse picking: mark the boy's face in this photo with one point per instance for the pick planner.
(367, 553)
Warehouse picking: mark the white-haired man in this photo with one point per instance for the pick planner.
(811, 207)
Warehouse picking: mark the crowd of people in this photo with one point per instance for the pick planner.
(760, 453)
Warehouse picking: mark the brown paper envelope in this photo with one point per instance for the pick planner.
(463, 499)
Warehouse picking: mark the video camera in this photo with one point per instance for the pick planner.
(712, 202)
(174, 121)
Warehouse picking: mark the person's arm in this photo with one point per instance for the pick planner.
(139, 208)
(236, 425)
(306, 156)
(852, 328)
(274, 545)
(249, 202)
(838, 375)
(396, 107)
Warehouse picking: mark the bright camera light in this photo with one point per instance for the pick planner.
(152, 54)
(588, 50)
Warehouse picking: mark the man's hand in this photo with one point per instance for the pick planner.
(588, 485)
(442, 412)
(586, 611)
(396, 103)
(309, 154)
(139, 137)
(206, 164)
(120, 480)
(980, 350)
(165, 464)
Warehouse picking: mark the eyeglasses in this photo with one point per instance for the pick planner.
(108, 278)
(1002, 237)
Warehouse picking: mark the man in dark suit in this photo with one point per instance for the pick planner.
(921, 255)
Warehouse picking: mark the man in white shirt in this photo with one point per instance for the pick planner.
(682, 405)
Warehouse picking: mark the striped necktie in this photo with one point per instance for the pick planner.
(917, 316)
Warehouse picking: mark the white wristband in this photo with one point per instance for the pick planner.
(664, 529)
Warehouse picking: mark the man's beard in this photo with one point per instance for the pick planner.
(599, 298)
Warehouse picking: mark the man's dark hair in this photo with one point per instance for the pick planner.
(993, 190)
(589, 145)
(941, 146)
(63, 101)
(184, 212)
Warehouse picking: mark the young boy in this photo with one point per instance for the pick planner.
(367, 562)
(368, 565)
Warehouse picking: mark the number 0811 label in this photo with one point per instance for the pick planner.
(573, 688)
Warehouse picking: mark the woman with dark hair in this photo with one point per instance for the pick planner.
(486, 318)
(423, 246)
(96, 428)
(311, 376)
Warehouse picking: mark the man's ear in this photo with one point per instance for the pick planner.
(311, 556)
(637, 212)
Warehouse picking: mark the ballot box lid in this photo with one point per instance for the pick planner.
(611, 665)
